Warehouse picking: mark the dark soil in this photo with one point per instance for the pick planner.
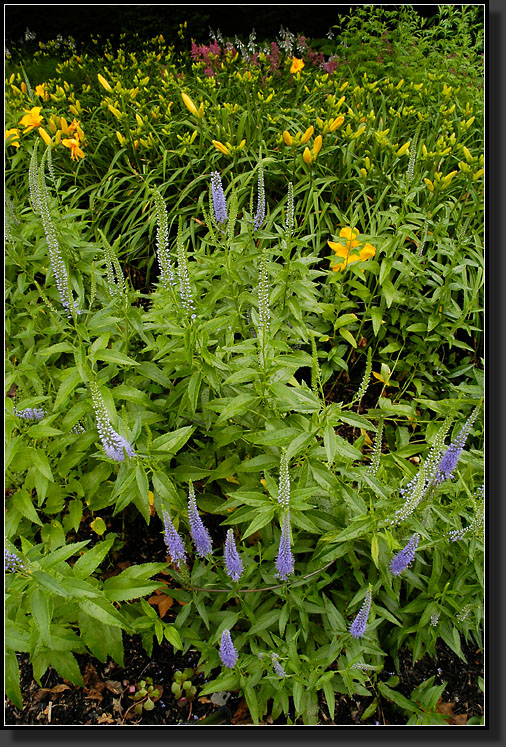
(106, 698)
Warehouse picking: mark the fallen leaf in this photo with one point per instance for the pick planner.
(106, 718)
(242, 715)
(56, 690)
(93, 685)
(114, 686)
(458, 719)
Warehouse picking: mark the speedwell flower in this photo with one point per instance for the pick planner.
(345, 250)
(31, 119)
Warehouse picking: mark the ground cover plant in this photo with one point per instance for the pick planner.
(244, 300)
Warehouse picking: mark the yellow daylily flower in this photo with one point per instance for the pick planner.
(31, 119)
(40, 91)
(296, 66)
(351, 242)
(15, 137)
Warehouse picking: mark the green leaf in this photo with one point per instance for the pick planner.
(49, 583)
(172, 442)
(69, 383)
(66, 665)
(348, 337)
(40, 614)
(114, 356)
(377, 318)
(330, 697)
(171, 633)
(259, 521)
(389, 292)
(12, 679)
(104, 612)
(23, 503)
(62, 554)
(227, 682)
(251, 702)
(153, 372)
(41, 463)
(299, 399)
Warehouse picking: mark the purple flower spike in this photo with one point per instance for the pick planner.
(228, 654)
(277, 666)
(260, 213)
(12, 562)
(199, 533)
(403, 558)
(219, 199)
(173, 541)
(451, 456)
(233, 562)
(285, 560)
(30, 413)
(115, 446)
(358, 626)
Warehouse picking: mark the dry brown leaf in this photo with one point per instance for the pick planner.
(114, 686)
(93, 685)
(56, 690)
(106, 718)
(242, 715)
(458, 719)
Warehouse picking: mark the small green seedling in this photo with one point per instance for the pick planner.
(146, 695)
(182, 688)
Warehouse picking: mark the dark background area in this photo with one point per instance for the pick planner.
(109, 21)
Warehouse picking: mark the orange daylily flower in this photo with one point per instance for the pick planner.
(31, 119)
(73, 143)
(344, 250)
(296, 66)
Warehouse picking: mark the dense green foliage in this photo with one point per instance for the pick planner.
(354, 363)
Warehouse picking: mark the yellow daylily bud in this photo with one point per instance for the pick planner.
(467, 154)
(200, 112)
(221, 147)
(287, 138)
(336, 123)
(425, 152)
(403, 149)
(139, 119)
(121, 138)
(318, 142)
(479, 173)
(241, 144)
(448, 179)
(44, 135)
(464, 167)
(429, 184)
(307, 134)
(307, 157)
(73, 110)
(104, 83)
(364, 173)
(320, 122)
(115, 111)
(360, 131)
(367, 162)
(23, 87)
(189, 104)
(52, 126)
(57, 137)
(400, 83)
(64, 126)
